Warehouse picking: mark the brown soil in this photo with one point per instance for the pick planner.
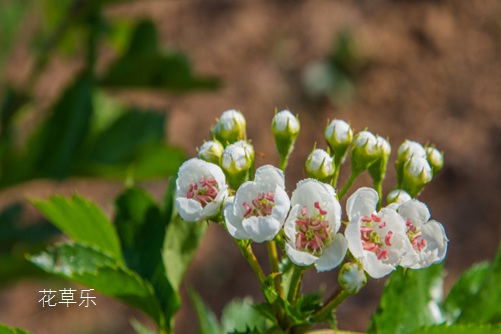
(432, 73)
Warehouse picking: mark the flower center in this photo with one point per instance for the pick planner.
(312, 232)
(415, 237)
(260, 206)
(373, 240)
(204, 192)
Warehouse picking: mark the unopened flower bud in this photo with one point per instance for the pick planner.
(211, 151)
(320, 165)
(285, 127)
(237, 162)
(378, 168)
(435, 159)
(364, 152)
(398, 196)
(417, 173)
(407, 150)
(352, 277)
(231, 127)
(338, 135)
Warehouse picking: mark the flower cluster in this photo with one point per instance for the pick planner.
(221, 185)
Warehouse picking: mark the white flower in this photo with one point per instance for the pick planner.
(200, 190)
(230, 127)
(312, 225)
(319, 165)
(427, 237)
(338, 132)
(285, 122)
(259, 208)
(237, 156)
(352, 277)
(378, 240)
(410, 149)
(211, 151)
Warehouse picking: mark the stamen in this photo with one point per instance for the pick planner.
(366, 219)
(317, 206)
(387, 238)
(375, 218)
(303, 211)
(382, 225)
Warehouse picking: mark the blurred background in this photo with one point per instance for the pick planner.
(97, 93)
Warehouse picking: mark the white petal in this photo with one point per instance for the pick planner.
(352, 234)
(233, 223)
(298, 257)
(394, 222)
(270, 176)
(416, 211)
(189, 209)
(374, 267)
(290, 224)
(434, 233)
(332, 255)
(363, 202)
(261, 229)
(282, 205)
(245, 194)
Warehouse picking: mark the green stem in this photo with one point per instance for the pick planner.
(283, 162)
(251, 258)
(378, 186)
(273, 255)
(297, 274)
(335, 176)
(337, 298)
(348, 184)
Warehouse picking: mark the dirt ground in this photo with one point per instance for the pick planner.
(432, 73)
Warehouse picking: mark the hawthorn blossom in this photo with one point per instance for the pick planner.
(312, 225)
(377, 239)
(427, 237)
(200, 190)
(259, 208)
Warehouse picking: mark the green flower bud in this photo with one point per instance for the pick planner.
(320, 165)
(407, 150)
(237, 163)
(352, 277)
(231, 127)
(417, 173)
(435, 159)
(338, 135)
(378, 168)
(211, 151)
(285, 128)
(364, 151)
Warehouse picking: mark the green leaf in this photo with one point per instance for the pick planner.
(11, 18)
(241, 316)
(207, 319)
(88, 266)
(140, 328)
(9, 330)
(465, 290)
(410, 300)
(133, 130)
(141, 226)
(181, 243)
(145, 65)
(83, 221)
(56, 148)
(485, 306)
(459, 329)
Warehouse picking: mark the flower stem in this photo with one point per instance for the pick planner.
(283, 162)
(247, 252)
(348, 184)
(378, 186)
(336, 175)
(272, 253)
(297, 274)
(337, 298)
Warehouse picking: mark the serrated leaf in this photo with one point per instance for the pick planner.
(207, 320)
(464, 290)
(410, 300)
(10, 330)
(240, 316)
(459, 329)
(88, 266)
(83, 221)
(485, 307)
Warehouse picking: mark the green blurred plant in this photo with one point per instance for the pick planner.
(85, 132)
